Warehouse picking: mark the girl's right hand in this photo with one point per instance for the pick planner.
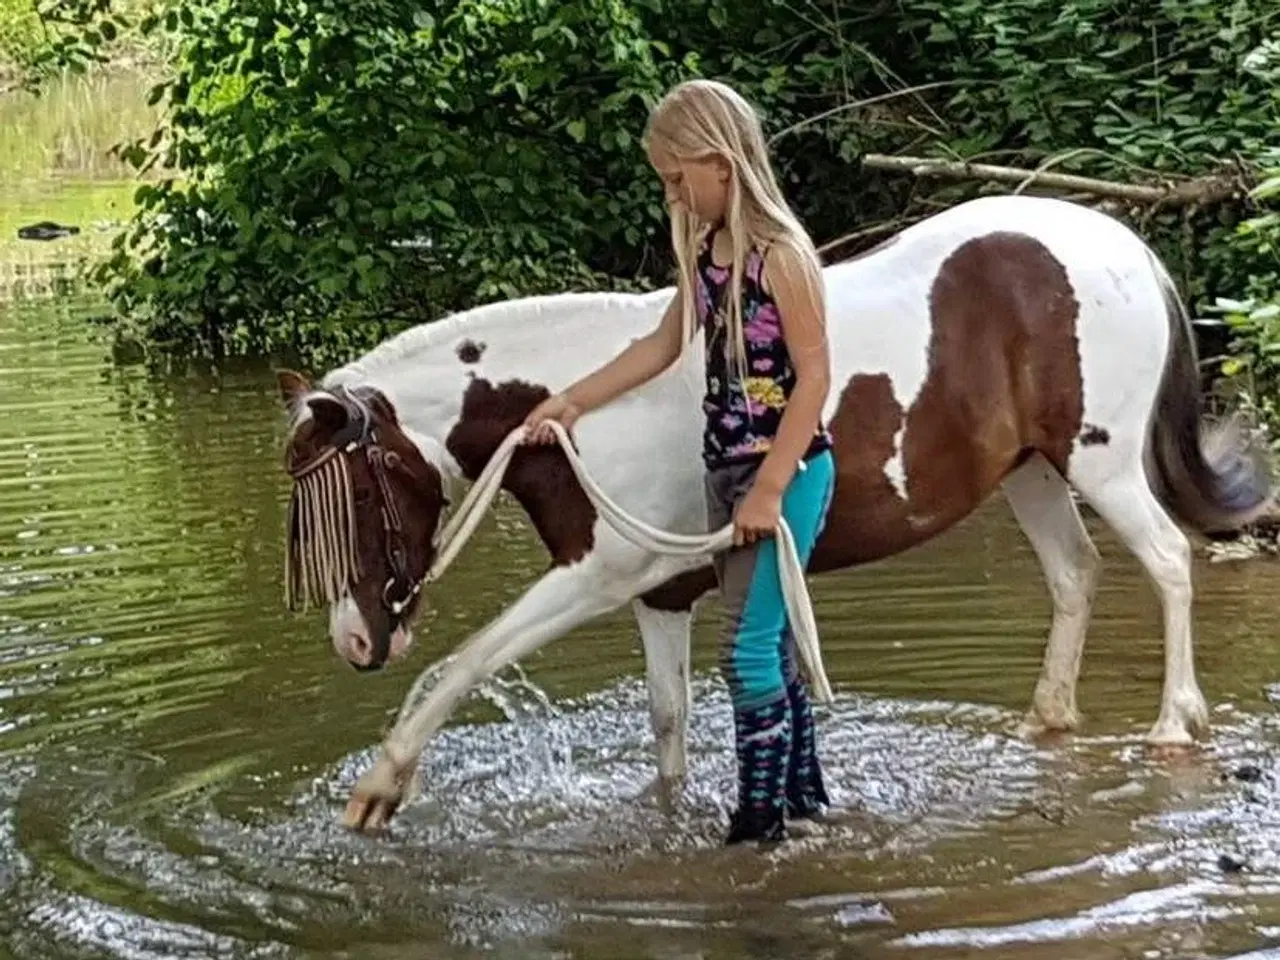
(558, 408)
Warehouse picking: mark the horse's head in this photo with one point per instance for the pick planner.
(364, 513)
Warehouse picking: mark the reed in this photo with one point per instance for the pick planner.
(70, 128)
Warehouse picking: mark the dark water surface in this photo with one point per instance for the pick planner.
(175, 748)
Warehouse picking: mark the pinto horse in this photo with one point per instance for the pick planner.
(1024, 344)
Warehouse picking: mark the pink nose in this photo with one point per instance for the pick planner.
(358, 649)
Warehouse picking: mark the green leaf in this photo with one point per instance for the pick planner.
(1267, 189)
(577, 129)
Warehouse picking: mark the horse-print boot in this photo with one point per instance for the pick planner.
(806, 794)
(763, 746)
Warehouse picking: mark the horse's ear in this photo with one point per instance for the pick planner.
(383, 407)
(293, 387)
(331, 416)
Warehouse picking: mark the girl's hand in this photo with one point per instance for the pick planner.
(757, 515)
(558, 408)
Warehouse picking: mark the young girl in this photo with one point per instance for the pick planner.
(751, 279)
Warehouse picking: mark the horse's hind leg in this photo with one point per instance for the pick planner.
(1112, 479)
(1042, 504)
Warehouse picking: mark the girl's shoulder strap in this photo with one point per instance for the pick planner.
(754, 268)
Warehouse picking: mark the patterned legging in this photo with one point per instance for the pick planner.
(773, 720)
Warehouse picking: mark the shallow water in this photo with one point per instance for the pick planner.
(175, 747)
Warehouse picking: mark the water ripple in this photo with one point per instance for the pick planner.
(175, 748)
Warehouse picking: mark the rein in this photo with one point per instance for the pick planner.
(323, 491)
(795, 592)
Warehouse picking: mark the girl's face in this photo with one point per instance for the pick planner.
(700, 186)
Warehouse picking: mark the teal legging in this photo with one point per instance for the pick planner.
(755, 653)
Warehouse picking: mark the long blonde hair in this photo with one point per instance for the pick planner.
(702, 118)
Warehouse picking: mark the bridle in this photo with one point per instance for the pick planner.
(401, 587)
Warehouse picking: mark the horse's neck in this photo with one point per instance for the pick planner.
(541, 341)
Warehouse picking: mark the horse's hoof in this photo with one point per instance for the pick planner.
(664, 792)
(376, 797)
(1052, 717)
(1181, 721)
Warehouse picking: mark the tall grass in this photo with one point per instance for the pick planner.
(70, 127)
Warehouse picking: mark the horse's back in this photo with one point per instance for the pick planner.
(880, 305)
(1000, 327)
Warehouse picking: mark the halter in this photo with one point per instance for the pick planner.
(322, 558)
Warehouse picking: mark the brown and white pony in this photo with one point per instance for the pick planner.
(1013, 343)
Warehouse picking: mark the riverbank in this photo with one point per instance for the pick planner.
(58, 166)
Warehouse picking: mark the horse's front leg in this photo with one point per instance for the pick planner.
(560, 601)
(666, 655)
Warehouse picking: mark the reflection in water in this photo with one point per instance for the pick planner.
(175, 747)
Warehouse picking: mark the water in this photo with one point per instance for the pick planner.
(175, 748)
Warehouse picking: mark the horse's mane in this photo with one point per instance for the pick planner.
(547, 312)
(348, 383)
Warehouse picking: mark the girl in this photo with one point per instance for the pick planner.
(751, 279)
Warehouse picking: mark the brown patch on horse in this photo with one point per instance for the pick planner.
(867, 519)
(1003, 379)
(540, 478)
(470, 352)
(1094, 435)
(682, 591)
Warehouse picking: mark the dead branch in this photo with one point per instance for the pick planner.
(858, 104)
(1199, 190)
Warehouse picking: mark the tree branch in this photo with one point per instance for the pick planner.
(858, 104)
(1200, 190)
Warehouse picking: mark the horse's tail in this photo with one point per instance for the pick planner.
(1214, 479)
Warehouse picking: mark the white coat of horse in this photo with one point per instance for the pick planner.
(1014, 343)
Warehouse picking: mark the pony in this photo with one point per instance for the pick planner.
(1019, 344)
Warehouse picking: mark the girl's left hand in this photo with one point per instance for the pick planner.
(757, 516)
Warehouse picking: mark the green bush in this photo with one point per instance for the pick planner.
(1253, 317)
(339, 169)
(20, 34)
(345, 166)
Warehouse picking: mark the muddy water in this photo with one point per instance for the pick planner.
(174, 747)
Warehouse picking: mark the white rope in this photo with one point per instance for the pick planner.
(795, 592)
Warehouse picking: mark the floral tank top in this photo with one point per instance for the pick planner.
(743, 418)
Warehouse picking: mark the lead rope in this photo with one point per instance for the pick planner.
(402, 747)
(795, 591)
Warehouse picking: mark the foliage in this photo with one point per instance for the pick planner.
(1156, 84)
(44, 39)
(1253, 319)
(347, 165)
(20, 32)
(343, 168)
